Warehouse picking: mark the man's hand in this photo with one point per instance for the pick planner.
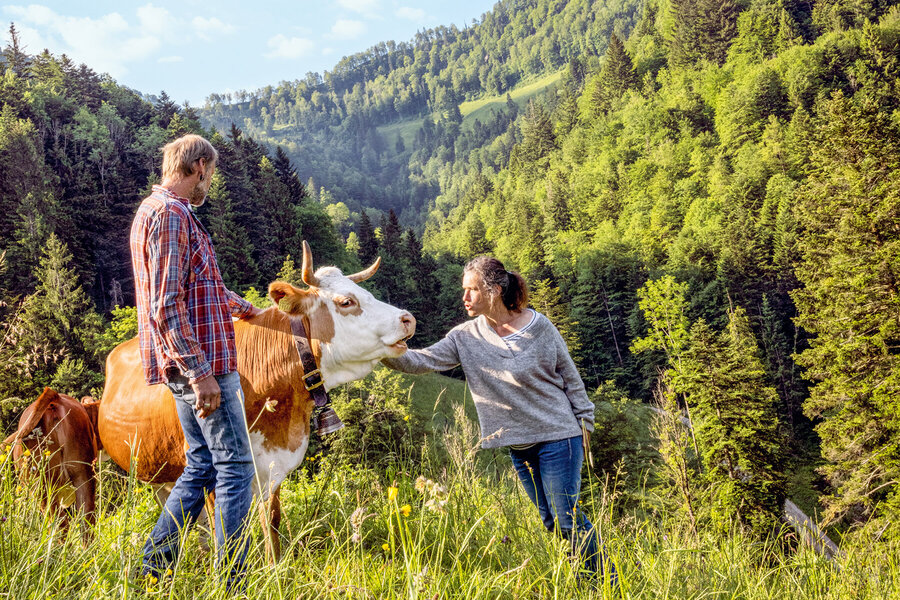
(208, 396)
(253, 312)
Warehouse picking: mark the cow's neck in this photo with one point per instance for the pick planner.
(340, 372)
(271, 374)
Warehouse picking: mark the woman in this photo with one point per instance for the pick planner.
(527, 392)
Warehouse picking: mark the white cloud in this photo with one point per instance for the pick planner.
(155, 20)
(208, 29)
(107, 43)
(364, 7)
(410, 14)
(289, 47)
(170, 59)
(347, 29)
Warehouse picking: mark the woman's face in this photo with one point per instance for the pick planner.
(476, 298)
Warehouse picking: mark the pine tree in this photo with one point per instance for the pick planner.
(14, 52)
(475, 240)
(848, 210)
(368, 243)
(391, 233)
(289, 272)
(165, 110)
(702, 29)
(546, 299)
(59, 322)
(288, 176)
(22, 169)
(394, 278)
(280, 229)
(615, 78)
(735, 423)
(232, 244)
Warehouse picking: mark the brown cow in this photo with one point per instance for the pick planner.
(56, 444)
(350, 331)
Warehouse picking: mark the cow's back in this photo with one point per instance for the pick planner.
(139, 420)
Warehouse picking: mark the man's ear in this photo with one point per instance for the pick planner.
(296, 301)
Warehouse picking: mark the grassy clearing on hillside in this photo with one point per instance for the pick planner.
(353, 532)
(480, 109)
(475, 109)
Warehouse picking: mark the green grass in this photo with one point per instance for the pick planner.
(480, 109)
(475, 109)
(347, 534)
(406, 129)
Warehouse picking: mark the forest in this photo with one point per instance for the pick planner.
(705, 200)
(699, 169)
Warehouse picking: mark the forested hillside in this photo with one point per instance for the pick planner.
(704, 198)
(745, 150)
(329, 124)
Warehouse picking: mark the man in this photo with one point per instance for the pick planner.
(187, 342)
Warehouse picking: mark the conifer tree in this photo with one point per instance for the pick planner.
(616, 76)
(368, 243)
(735, 423)
(289, 272)
(288, 176)
(546, 299)
(475, 240)
(280, 230)
(22, 169)
(59, 321)
(16, 58)
(848, 209)
(166, 109)
(394, 278)
(233, 246)
(702, 29)
(391, 233)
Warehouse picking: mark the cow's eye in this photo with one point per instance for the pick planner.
(346, 302)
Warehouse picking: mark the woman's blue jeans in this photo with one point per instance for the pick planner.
(218, 459)
(551, 474)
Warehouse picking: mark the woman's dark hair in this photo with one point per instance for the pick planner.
(513, 289)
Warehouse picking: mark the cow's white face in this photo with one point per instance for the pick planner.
(354, 330)
(365, 329)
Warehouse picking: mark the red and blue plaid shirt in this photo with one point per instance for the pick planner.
(184, 310)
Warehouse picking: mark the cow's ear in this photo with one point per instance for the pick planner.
(295, 300)
(278, 290)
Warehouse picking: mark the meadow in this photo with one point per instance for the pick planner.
(481, 109)
(446, 521)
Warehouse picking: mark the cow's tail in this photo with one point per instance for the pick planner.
(31, 417)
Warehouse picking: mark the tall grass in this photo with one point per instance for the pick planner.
(454, 527)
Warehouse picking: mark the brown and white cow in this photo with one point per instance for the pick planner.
(55, 445)
(350, 331)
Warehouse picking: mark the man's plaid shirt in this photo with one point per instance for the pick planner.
(184, 310)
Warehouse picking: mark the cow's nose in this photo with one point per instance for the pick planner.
(409, 323)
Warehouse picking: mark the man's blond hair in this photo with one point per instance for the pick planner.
(180, 155)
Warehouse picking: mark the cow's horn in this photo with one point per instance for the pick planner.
(363, 275)
(308, 276)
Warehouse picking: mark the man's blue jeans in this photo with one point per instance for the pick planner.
(551, 474)
(218, 459)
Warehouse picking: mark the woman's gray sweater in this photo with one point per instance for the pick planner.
(525, 393)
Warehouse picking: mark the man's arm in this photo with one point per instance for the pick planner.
(168, 264)
(240, 308)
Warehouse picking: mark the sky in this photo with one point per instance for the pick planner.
(191, 48)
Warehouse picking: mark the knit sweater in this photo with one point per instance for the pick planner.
(527, 392)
